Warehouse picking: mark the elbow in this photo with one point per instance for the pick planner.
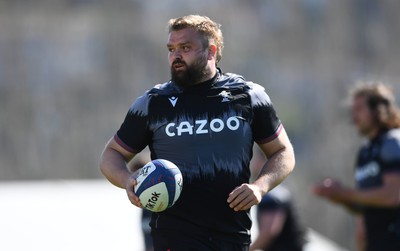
(391, 199)
(106, 160)
(287, 158)
(394, 201)
(102, 166)
(102, 161)
(291, 157)
(391, 196)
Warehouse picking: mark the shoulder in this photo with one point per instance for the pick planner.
(256, 92)
(167, 88)
(231, 80)
(391, 145)
(393, 134)
(140, 106)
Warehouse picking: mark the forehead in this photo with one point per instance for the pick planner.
(186, 35)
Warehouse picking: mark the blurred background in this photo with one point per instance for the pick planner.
(70, 69)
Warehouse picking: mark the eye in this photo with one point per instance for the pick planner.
(186, 48)
(170, 49)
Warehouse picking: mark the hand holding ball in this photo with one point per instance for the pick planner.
(159, 185)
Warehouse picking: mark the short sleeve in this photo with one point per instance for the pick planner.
(266, 125)
(134, 134)
(390, 154)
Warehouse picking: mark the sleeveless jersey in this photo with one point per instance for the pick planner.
(376, 158)
(208, 131)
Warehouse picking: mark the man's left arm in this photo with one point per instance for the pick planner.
(280, 163)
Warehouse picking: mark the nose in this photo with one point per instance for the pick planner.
(176, 54)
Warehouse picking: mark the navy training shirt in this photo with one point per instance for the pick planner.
(376, 158)
(208, 131)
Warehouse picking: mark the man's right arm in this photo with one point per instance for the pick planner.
(113, 165)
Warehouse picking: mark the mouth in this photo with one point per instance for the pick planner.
(178, 66)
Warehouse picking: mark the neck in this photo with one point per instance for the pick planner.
(373, 133)
(213, 70)
(210, 75)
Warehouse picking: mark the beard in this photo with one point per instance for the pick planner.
(366, 128)
(193, 74)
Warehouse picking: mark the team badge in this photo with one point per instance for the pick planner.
(226, 96)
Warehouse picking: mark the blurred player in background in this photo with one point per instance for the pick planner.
(278, 224)
(206, 122)
(377, 174)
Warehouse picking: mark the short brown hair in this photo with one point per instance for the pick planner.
(380, 100)
(203, 25)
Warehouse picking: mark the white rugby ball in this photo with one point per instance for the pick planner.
(159, 185)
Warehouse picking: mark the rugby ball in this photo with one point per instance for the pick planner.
(159, 185)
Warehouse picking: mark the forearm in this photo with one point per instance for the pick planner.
(280, 155)
(113, 166)
(381, 197)
(276, 169)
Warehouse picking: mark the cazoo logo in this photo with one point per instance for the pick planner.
(201, 126)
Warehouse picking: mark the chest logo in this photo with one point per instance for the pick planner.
(369, 170)
(173, 100)
(201, 126)
(226, 96)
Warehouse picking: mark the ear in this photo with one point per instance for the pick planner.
(212, 51)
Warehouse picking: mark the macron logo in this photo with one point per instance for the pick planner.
(173, 100)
